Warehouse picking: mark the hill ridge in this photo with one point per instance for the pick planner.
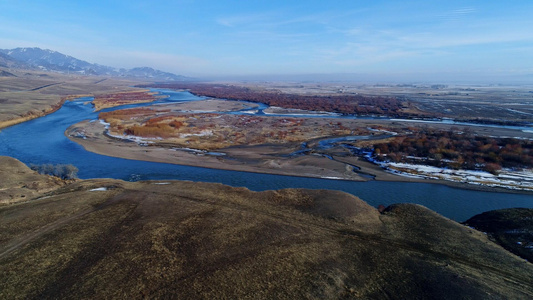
(107, 238)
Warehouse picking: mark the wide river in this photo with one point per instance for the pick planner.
(43, 141)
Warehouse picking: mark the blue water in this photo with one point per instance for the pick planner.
(43, 141)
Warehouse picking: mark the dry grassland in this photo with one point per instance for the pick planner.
(33, 94)
(197, 240)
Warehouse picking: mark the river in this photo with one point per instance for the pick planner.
(42, 140)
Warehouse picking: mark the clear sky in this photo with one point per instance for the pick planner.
(402, 39)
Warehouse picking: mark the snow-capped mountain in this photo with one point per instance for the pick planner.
(49, 60)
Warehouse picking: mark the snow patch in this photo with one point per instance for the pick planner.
(382, 130)
(132, 138)
(331, 177)
(519, 180)
(104, 123)
(202, 133)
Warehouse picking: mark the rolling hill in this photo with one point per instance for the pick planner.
(108, 238)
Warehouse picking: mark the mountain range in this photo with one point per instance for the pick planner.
(49, 60)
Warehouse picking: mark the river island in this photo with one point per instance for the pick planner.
(253, 137)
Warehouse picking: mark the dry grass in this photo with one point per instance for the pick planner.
(102, 101)
(199, 240)
(19, 183)
(214, 131)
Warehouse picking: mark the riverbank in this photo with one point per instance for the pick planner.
(32, 115)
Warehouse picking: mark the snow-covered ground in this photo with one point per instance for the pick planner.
(331, 177)
(276, 110)
(519, 180)
(143, 141)
(382, 130)
(204, 132)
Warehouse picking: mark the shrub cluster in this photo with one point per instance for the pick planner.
(152, 130)
(458, 150)
(60, 170)
(123, 98)
(125, 114)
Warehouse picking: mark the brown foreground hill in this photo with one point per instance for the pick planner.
(113, 239)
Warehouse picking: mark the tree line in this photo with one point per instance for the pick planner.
(346, 104)
(62, 171)
(458, 150)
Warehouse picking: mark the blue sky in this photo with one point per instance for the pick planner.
(400, 39)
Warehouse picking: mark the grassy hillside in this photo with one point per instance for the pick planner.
(114, 239)
(18, 183)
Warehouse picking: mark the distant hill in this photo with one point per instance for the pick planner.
(146, 72)
(105, 238)
(7, 61)
(6, 74)
(49, 60)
